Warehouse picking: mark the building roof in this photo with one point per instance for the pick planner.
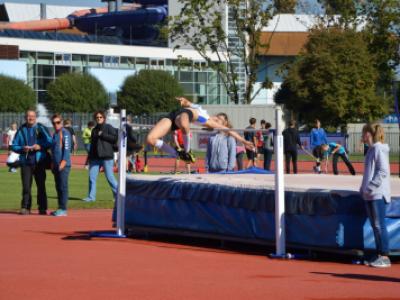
(291, 23)
(283, 43)
(18, 12)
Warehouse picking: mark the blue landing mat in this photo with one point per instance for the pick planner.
(313, 219)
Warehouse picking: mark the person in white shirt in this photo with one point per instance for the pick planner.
(10, 137)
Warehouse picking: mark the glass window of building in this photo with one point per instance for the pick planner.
(45, 71)
(187, 88)
(142, 63)
(111, 61)
(127, 62)
(79, 59)
(186, 76)
(43, 83)
(61, 70)
(28, 56)
(63, 58)
(45, 58)
(96, 60)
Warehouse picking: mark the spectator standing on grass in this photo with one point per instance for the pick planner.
(337, 151)
(221, 149)
(61, 163)
(318, 137)
(375, 190)
(250, 135)
(9, 140)
(291, 139)
(31, 142)
(101, 154)
(68, 126)
(86, 137)
(268, 146)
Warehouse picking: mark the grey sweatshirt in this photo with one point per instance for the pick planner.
(221, 153)
(376, 179)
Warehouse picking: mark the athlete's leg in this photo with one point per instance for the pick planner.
(183, 122)
(157, 132)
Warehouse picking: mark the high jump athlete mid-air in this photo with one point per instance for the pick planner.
(181, 119)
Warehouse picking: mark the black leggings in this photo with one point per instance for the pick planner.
(291, 155)
(346, 161)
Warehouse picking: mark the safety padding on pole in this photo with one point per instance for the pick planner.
(122, 145)
(279, 190)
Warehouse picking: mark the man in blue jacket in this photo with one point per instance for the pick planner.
(318, 138)
(61, 163)
(31, 142)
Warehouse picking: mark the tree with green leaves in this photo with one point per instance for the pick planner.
(202, 25)
(149, 91)
(15, 95)
(333, 79)
(380, 21)
(73, 92)
(285, 6)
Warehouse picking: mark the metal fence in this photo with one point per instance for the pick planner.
(80, 120)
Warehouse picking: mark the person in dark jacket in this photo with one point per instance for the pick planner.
(61, 163)
(101, 154)
(291, 140)
(31, 142)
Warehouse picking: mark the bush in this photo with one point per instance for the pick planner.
(149, 91)
(74, 92)
(15, 95)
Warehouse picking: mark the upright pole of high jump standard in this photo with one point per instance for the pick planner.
(279, 189)
(122, 144)
(120, 201)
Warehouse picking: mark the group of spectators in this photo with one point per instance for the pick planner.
(224, 153)
(36, 150)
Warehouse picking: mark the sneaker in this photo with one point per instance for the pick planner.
(380, 262)
(43, 212)
(87, 199)
(12, 170)
(182, 155)
(24, 211)
(191, 157)
(86, 167)
(59, 213)
(186, 156)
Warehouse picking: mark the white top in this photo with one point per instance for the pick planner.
(11, 134)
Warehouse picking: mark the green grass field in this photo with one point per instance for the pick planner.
(11, 187)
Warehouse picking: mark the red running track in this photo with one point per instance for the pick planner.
(160, 164)
(44, 257)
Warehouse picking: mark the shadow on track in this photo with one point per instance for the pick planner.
(361, 277)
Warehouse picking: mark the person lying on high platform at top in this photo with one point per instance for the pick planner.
(181, 119)
(336, 150)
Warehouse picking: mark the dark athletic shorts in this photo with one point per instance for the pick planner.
(173, 115)
(251, 155)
